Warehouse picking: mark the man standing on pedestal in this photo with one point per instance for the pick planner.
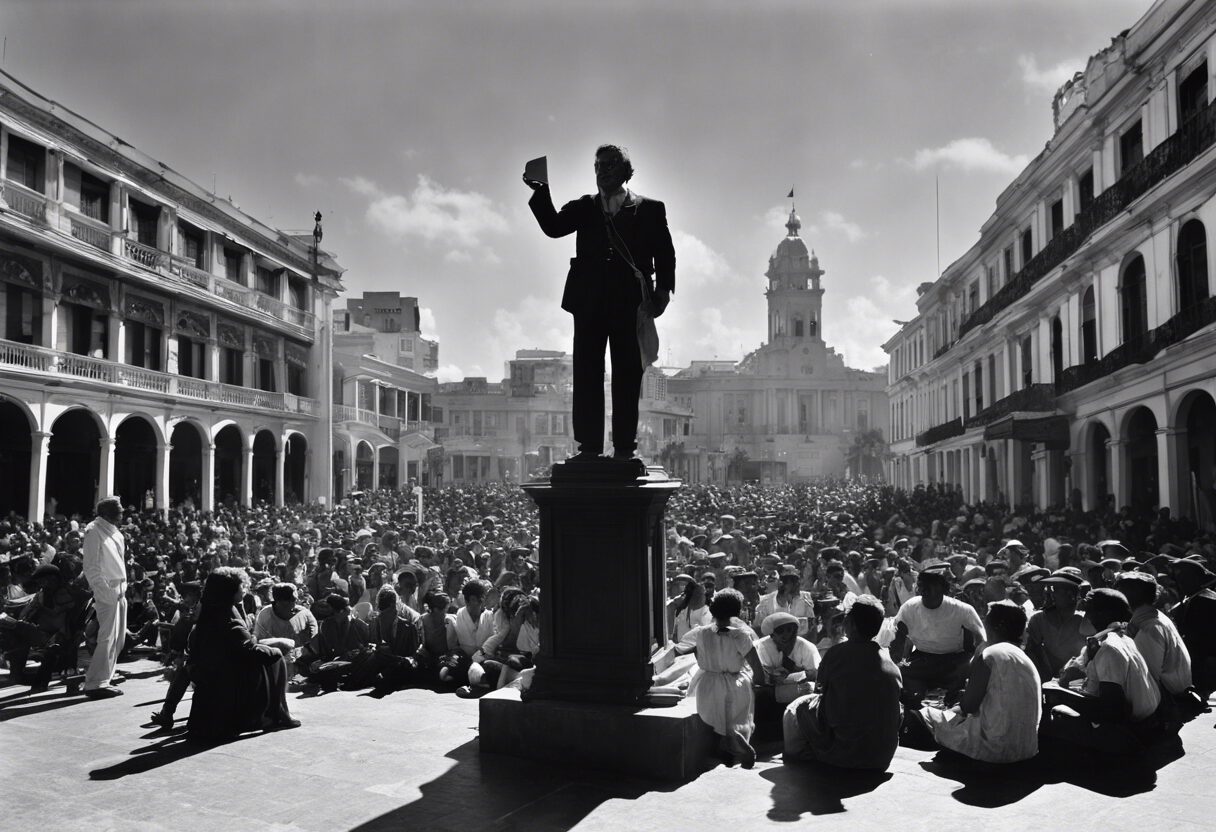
(622, 242)
(105, 567)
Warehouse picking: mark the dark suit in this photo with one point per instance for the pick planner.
(603, 293)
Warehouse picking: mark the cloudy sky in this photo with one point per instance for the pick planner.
(408, 123)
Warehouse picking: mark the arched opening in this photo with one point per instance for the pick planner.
(1192, 264)
(1089, 328)
(229, 451)
(1142, 458)
(263, 467)
(1198, 415)
(1133, 296)
(1057, 348)
(73, 465)
(1099, 461)
(363, 467)
(388, 468)
(293, 469)
(186, 466)
(15, 447)
(135, 462)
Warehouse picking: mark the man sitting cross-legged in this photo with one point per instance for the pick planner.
(854, 721)
(285, 624)
(339, 649)
(396, 636)
(790, 663)
(474, 625)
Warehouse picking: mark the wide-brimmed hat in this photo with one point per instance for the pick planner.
(777, 619)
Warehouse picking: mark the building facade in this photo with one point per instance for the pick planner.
(156, 342)
(395, 326)
(1070, 354)
(790, 410)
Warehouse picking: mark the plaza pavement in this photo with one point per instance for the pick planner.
(411, 761)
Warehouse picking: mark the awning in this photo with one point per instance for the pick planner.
(1052, 431)
(418, 441)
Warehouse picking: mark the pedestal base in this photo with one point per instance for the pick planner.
(663, 743)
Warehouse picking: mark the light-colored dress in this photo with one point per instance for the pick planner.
(1006, 728)
(723, 682)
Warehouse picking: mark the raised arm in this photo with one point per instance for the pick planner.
(554, 223)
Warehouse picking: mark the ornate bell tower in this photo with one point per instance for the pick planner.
(795, 300)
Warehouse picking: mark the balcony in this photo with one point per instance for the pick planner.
(86, 229)
(939, 433)
(1190, 140)
(1037, 398)
(146, 256)
(187, 271)
(1141, 349)
(24, 201)
(40, 360)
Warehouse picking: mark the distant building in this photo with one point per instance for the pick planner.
(394, 327)
(789, 411)
(1069, 356)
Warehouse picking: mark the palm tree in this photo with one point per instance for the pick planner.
(868, 446)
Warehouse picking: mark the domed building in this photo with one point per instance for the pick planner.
(790, 410)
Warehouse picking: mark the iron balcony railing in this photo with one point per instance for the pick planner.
(24, 201)
(1190, 140)
(939, 433)
(1037, 398)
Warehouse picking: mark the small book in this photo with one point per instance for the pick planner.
(537, 170)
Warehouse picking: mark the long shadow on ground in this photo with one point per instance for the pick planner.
(167, 747)
(809, 788)
(500, 793)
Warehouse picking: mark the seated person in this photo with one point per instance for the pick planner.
(1157, 638)
(48, 622)
(474, 624)
(997, 720)
(1055, 633)
(143, 618)
(853, 722)
(1195, 617)
(508, 652)
(340, 647)
(790, 663)
(285, 624)
(438, 637)
(944, 633)
(239, 685)
(1114, 710)
(787, 598)
(395, 636)
(183, 622)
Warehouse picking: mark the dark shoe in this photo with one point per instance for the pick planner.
(40, 685)
(102, 693)
(164, 719)
(285, 724)
(468, 692)
(586, 456)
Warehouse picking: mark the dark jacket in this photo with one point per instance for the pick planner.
(405, 637)
(229, 671)
(597, 281)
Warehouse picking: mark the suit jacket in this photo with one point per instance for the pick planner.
(596, 284)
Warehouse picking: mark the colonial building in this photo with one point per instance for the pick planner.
(157, 342)
(382, 418)
(1069, 355)
(393, 326)
(515, 429)
(789, 410)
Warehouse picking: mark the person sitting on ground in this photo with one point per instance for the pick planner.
(47, 623)
(395, 636)
(1055, 633)
(1195, 616)
(340, 648)
(286, 625)
(1157, 639)
(474, 624)
(508, 652)
(853, 722)
(790, 663)
(438, 637)
(787, 598)
(997, 720)
(183, 623)
(944, 633)
(1114, 711)
(239, 685)
(722, 686)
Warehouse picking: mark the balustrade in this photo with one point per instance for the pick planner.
(25, 201)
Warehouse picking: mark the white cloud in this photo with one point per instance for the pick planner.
(457, 256)
(822, 224)
(448, 372)
(308, 180)
(857, 325)
(447, 216)
(534, 322)
(835, 222)
(971, 155)
(1048, 79)
(426, 318)
(696, 263)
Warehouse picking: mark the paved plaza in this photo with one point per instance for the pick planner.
(411, 761)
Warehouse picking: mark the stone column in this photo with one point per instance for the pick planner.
(1082, 478)
(207, 480)
(163, 453)
(105, 477)
(116, 349)
(1171, 464)
(246, 498)
(1042, 477)
(280, 459)
(50, 322)
(1117, 471)
(39, 453)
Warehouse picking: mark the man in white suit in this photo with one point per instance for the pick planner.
(105, 568)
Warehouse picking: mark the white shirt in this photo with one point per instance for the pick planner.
(801, 607)
(105, 554)
(1160, 644)
(941, 630)
(688, 618)
(804, 654)
(470, 634)
(1118, 661)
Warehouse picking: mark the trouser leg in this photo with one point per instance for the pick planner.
(626, 384)
(111, 608)
(590, 339)
(177, 688)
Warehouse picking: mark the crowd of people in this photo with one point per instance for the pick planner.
(847, 617)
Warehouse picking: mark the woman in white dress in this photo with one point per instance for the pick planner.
(997, 720)
(726, 659)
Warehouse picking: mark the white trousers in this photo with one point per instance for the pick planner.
(110, 603)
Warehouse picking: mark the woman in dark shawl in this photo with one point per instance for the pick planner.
(239, 685)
